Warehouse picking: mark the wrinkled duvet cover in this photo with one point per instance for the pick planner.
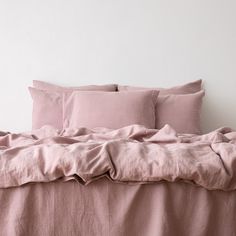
(129, 181)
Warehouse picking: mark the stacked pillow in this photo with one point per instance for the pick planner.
(48, 99)
(180, 106)
(101, 106)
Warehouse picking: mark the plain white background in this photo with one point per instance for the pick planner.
(148, 43)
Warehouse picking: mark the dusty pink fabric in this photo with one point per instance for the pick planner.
(109, 109)
(191, 87)
(179, 106)
(132, 154)
(47, 102)
(47, 108)
(56, 88)
(106, 208)
(183, 112)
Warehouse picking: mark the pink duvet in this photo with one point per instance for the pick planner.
(37, 198)
(132, 154)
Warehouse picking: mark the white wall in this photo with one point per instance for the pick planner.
(148, 42)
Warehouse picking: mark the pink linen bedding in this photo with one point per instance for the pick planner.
(138, 160)
(56, 88)
(130, 154)
(47, 102)
(182, 112)
(178, 106)
(191, 87)
(110, 209)
(109, 109)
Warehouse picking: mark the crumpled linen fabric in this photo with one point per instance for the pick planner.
(133, 154)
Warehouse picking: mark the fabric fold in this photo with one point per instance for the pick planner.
(132, 154)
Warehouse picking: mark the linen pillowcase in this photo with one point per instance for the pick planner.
(55, 88)
(191, 87)
(179, 106)
(182, 112)
(47, 108)
(47, 104)
(109, 109)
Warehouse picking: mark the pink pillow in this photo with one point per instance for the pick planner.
(191, 87)
(47, 108)
(178, 106)
(109, 109)
(47, 104)
(55, 88)
(182, 112)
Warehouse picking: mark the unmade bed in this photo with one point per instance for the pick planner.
(115, 160)
(83, 182)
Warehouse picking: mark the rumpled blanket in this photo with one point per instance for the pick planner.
(133, 154)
